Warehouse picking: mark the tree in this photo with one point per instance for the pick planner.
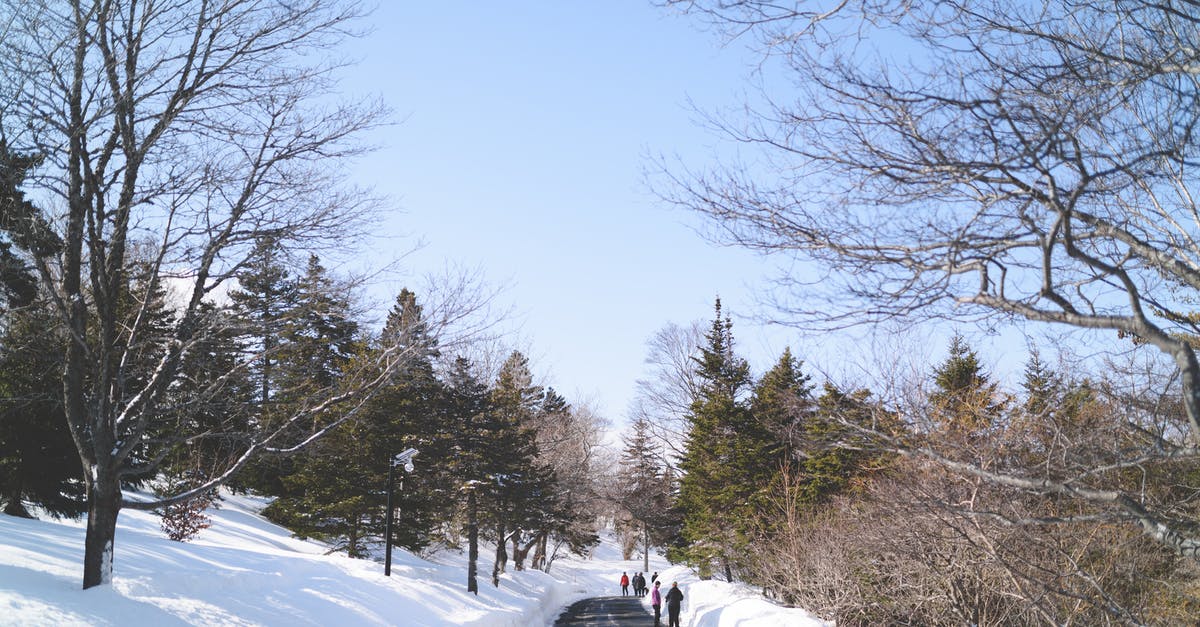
(38, 462)
(664, 396)
(518, 480)
(1031, 160)
(36, 452)
(644, 489)
(710, 489)
(265, 298)
(466, 410)
(23, 229)
(965, 400)
(196, 129)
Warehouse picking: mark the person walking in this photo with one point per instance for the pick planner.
(674, 598)
(639, 584)
(656, 603)
(624, 584)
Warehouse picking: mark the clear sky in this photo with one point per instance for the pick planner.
(525, 130)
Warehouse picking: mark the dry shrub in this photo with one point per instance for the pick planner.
(921, 546)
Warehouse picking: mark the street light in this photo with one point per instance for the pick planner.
(406, 459)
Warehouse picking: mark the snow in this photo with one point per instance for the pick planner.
(244, 570)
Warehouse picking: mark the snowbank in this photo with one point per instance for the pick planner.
(244, 570)
(722, 604)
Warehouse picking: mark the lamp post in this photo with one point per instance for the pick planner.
(406, 459)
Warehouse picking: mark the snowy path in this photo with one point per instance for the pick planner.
(598, 611)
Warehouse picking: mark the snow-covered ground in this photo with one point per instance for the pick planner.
(244, 570)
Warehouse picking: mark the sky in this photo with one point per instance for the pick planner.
(525, 130)
(525, 144)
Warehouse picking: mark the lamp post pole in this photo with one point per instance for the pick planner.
(406, 459)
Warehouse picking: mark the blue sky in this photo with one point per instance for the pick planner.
(525, 132)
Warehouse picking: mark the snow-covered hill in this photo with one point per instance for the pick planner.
(244, 570)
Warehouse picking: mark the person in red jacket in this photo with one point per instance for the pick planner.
(624, 584)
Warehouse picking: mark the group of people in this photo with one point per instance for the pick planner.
(674, 596)
(639, 584)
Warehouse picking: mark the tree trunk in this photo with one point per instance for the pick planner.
(104, 503)
(539, 555)
(352, 540)
(472, 543)
(518, 553)
(501, 555)
(645, 547)
(13, 505)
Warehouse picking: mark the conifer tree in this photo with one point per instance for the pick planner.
(781, 405)
(23, 230)
(317, 338)
(518, 480)
(965, 400)
(711, 488)
(834, 451)
(466, 410)
(38, 461)
(334, 491)
(644, 490)
(265, 300)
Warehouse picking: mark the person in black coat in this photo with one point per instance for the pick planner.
(674, 598)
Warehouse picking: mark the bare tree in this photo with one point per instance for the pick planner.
(664, 396)
(949, 159)
(192, 129)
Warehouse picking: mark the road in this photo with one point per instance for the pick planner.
(622, 611)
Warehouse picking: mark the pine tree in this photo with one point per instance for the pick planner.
(965, 401)
(781, 406)
(265, 300)
(466, 411)
(318, 338)
(644, 490)
(335, 491)
(38, 461)
(518, 481)
(23, 229)
(835, 451)
(710, 492)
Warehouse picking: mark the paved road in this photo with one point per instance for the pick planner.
(622, 611)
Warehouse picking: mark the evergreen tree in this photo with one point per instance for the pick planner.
(23, 229)
(38, 461)
(518, 481)
(835, 452)
(215, 399)
(711, 492)
(644, 489)
(335, 492)
(965, 401)
(1053, 408)
(318, 338)
(466, 410)
(265, 300)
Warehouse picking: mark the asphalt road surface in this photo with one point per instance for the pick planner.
(622, 611)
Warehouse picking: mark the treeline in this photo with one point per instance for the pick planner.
(501, 459)
(950, 503)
